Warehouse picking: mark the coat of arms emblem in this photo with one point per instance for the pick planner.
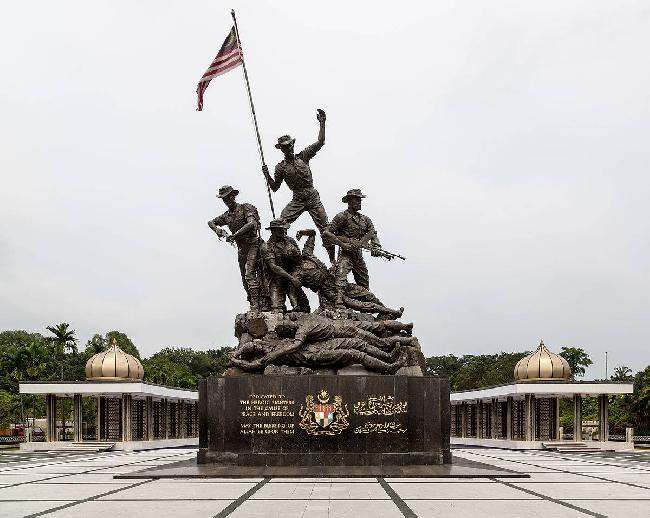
(324, 417)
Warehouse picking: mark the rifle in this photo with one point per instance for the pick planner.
(364, 243)
(222, 234)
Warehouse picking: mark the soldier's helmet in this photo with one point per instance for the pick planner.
(285, 140)
(353, 193)
(226, 190)
(278, 223)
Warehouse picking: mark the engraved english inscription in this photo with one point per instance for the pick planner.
(267, 414)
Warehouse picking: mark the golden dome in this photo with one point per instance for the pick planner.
(542, 365)
(114, 364)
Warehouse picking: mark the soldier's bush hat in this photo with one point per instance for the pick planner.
(285, 140)
(278, 223)
(226, 190)
(352, 193)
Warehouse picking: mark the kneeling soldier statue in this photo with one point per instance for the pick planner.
(281, 255)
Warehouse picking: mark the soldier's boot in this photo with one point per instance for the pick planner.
(394, 326)
(331, 252)
(375, 364)
(340, 300)
(388, 313)
(254, 294)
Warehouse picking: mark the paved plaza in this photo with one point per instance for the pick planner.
(82, 485)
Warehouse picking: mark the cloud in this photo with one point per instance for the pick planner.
(503, 148)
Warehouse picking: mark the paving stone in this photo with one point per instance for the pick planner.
(200, 490)
(323, 491)
(616, 508)
(490, 509)
(600, 490)
(449, 490)
(38, 491)
(19, 477)
(317, 509)
(16, 509)
(112, 509)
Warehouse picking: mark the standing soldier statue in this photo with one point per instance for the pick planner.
(244, 222)
(295, 171)
(351, 230)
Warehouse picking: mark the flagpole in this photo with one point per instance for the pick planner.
(252, 106)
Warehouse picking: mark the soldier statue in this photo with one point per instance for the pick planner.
(244, 222)
(312, 273)
(294, 170)
(316, 342)
(349, 229)
(281, 254)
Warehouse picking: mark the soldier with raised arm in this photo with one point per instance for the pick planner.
(243, 222)
(294, 170)
(346, 228)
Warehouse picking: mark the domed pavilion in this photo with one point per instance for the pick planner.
(130, 414)
(526, 412)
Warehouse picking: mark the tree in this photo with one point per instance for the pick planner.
(578, 360)
(641, 402)
(474, 371)
(65, 341)
(622, 373)
(99, 343)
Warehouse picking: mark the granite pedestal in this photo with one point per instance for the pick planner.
(320, 421)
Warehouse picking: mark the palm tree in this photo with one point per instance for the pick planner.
(622, 373)
(64, 340)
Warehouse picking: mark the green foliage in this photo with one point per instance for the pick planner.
(183, 366)
(578, 360)
(622, 373)
(640, 404)
(10, 409)
(99, 343)
(474, 371)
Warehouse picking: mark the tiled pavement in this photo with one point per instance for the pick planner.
(82, 485)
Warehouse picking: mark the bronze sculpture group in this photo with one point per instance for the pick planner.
(351, 325)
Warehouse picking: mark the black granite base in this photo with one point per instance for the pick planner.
(461, 468)
(318, 421)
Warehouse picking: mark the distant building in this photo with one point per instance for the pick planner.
(130, 414)
(526, 414)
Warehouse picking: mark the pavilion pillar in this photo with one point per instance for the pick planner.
(182, 421)
(148, 436)
(603, 418)
(493, 418)
(509, 402)
(529, 426)
(126, 418)
(78, 418)
(164, 410)
(50, 413)
(577, 417)
(99, 423)
(463, 420)
(479, 419)
(555, 408)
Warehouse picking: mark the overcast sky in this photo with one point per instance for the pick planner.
(503, 147)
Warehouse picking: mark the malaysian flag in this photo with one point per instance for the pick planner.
(229, 57)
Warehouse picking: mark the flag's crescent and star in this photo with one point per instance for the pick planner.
(229, 57)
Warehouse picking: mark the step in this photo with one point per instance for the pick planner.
(86, 446)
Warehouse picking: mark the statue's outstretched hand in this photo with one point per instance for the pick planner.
(307, 232)
(320, 115)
